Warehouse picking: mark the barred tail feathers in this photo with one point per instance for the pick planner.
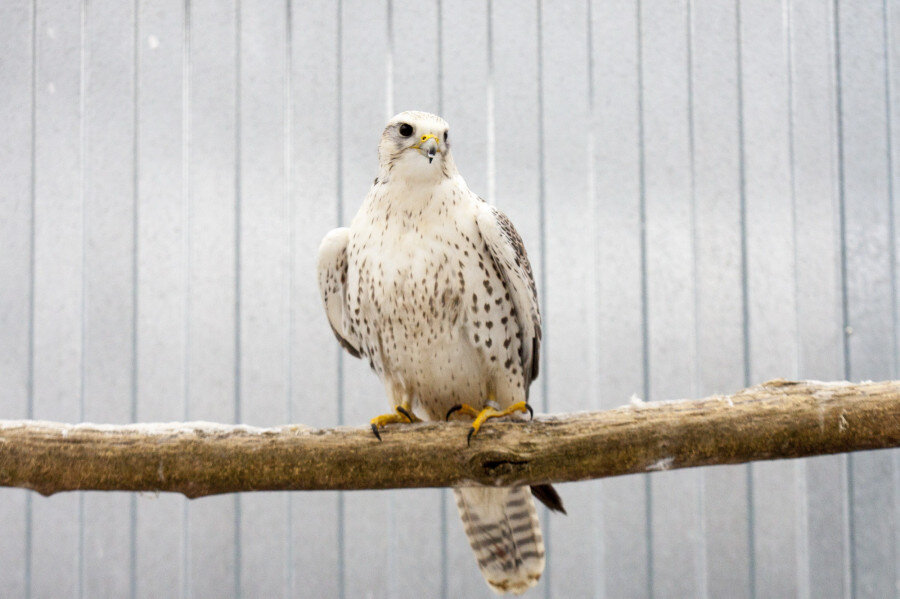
(505, 534)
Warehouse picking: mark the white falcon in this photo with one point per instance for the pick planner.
(433, 286)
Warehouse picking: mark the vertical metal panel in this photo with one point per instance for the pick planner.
(677, 558)
(264, 263)
(869, 287)
(815, 190)
(58, 283)
(16, 147)
(162, 277)
(364, 110)
(624, 547)
(771, 309)
(415, 56)
(313, 161)
(569, 307)
(108, 122)
(212, 302)
(718, 292)
(466, 86)
(108, 342)
(892, 68)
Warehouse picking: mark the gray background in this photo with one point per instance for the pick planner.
(705, 189)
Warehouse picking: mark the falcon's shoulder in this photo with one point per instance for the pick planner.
(332, 275)
(508, 253)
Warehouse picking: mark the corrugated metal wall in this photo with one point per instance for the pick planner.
(705, 189)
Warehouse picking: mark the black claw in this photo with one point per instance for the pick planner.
(530, 410)
(375, 430)
(455, 408)
(469, 438)
(405, 412)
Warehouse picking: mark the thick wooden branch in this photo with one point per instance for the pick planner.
(778, 419)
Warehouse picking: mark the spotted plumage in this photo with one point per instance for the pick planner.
(433, 287)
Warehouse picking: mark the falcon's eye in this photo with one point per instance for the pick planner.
(405, 129)
(445, 137)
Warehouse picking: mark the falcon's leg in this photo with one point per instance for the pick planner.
(402, 414)
(489, 411)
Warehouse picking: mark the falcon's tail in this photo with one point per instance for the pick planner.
(504, 532)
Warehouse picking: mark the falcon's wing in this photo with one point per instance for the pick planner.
(332, 269)
(508, 253)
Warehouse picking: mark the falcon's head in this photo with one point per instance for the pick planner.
(415, 145)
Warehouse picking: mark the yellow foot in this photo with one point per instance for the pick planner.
(402, 413)
(487, 412)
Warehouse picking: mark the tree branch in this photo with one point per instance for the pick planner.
(778, 419)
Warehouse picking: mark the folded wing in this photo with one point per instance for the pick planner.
(511, 260)
(332, 271)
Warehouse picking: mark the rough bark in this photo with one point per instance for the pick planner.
(778, 419)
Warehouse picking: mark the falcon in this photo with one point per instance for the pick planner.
(433, 287)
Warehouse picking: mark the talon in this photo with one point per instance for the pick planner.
(465, 409)
(491, 412)
(530, 411)
(455, 408)
(407, 413)
(402, 415)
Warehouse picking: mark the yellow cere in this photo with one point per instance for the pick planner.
(425, 138)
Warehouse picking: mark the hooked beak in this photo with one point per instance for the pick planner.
(429, 145)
